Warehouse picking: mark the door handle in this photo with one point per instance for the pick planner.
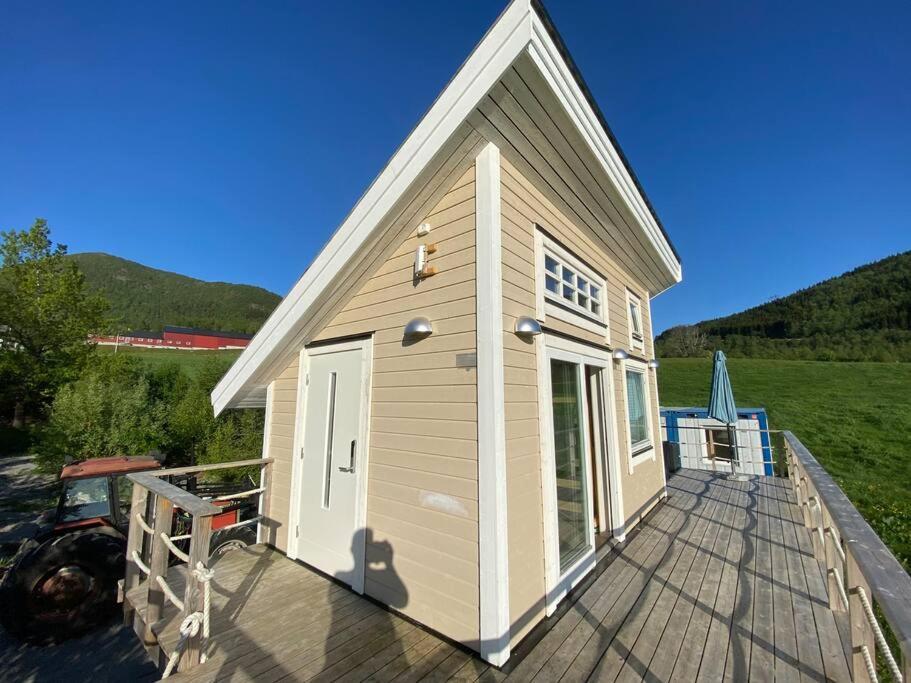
(351, 460)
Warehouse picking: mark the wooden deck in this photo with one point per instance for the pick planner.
(718, 583)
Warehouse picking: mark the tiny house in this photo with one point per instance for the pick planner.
(462, 379)
(704, 443)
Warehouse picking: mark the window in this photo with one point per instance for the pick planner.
(718, 444)
(571, 290)
(635, 321)
(569, 461)
(85, 499)
(637, 410)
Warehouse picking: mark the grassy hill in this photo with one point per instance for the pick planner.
(854, 417)
(147, 299)
(864, 314)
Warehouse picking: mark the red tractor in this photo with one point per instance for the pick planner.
(63, 581)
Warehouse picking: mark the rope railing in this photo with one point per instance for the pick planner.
(878, 634)
(860, 570)
(242, 494)
(140, 520)
(181, 555)
(169, 594)
(139, 563)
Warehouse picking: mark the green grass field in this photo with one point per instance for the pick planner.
(854, 417)
(191, 361)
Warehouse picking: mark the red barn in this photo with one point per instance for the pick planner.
(205, 339)
(174, 337)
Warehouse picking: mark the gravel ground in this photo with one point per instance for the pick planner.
(110, 653)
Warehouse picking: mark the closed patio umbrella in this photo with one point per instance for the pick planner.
(721, 400)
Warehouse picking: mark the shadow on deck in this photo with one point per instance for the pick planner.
(718, 583)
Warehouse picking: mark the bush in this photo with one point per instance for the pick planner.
(122, 406)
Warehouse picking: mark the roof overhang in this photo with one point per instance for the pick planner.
(523, 29)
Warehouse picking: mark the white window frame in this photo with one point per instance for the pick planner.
(548, 304)
(648, 452)
(636, 340)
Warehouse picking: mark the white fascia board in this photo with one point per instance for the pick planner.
(499, 48)
(553, 67)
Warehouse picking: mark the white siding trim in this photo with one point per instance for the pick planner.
(492, 521)
(265, 477)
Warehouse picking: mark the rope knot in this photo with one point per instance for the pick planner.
(189, 627)
(203, 574)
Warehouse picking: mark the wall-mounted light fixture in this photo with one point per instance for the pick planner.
(653, 364)
(527, 327)
(418, 328)
(619, 354)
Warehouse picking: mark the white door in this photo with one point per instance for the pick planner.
(330, 536)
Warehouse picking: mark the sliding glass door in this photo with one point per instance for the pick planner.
(573, 516)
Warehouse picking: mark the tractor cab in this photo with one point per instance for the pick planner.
(97, 492)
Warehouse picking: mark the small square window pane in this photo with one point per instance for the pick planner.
(550, 264)
(582, 300)
(568, 275)
(568, 292)
(594, 292)
(552, 284)
(595, 307)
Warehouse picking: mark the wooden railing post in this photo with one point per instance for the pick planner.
(158, 565)
(861, 633)
(833, 562)
(193, 597)
(132, 575)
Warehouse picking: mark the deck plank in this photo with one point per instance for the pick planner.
(834, 655)
(671, 639)
(689, 658)
(579, 622)
(618, 653)
(651, 640)
(718, 582)
(762, 628)
(786, 662)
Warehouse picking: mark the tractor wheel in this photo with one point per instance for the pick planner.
(63, 587)
(231, 539)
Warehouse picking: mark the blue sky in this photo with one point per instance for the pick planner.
(227, 140)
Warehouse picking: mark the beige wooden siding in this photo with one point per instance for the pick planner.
(281, 447)
(422, 475)
(524, 206)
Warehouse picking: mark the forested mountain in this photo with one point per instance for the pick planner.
(864, 314)
(147, 299)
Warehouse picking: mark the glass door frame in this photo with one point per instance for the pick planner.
(558, 583)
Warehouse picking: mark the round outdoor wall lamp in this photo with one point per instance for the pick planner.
(619, 354)
(653, 364)
(418, 328)
(527, 327)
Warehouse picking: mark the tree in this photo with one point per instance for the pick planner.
(46, 316)
(684, 341)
